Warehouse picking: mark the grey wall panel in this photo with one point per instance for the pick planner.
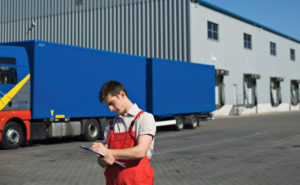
(152, 28)
(229, 53)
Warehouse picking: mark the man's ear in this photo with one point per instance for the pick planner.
(122, 94)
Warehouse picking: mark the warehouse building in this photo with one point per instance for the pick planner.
(257, 68)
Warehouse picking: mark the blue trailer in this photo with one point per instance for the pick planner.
(181, 90)
(51, 90)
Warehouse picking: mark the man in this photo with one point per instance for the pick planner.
(129, 138)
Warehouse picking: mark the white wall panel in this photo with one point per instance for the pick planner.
(229, 53)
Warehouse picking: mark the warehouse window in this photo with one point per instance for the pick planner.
(212, 31)
(247, 41)
(273, 48)
(292, 54)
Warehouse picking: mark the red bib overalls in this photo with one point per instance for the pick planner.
(137, 172)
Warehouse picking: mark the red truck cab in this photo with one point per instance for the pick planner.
(14, 97)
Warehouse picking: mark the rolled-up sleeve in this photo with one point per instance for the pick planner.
(147, 124)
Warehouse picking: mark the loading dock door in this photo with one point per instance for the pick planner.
(220, 87)
(275, 91)
(250, 92)
(295, 96)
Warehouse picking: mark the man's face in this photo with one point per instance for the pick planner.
(116, 103)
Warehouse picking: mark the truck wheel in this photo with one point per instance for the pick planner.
(194, 122)
(179, 123)
(12, 136)
(199, 121)
(91, 130)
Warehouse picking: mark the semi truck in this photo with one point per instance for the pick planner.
(50, 90)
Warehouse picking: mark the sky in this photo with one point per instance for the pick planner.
(280, 15)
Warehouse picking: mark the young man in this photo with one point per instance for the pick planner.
(129, 138)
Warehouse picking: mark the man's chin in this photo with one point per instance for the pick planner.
(118, 113)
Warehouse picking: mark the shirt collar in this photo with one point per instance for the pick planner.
(133, 111)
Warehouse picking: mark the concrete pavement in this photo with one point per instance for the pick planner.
(248, 150)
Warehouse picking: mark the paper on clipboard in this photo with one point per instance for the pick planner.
(88, 149)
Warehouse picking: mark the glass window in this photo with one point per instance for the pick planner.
(292, 55)
(273, 48)
(212, 31)
(247, 41)
(8, 75)
(6, 60)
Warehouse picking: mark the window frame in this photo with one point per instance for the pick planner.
(247, 41)
(273, 48)
(213, 31)
(292, 54)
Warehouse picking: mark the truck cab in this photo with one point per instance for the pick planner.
(14, 96)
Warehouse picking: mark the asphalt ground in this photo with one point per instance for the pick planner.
(245, 150)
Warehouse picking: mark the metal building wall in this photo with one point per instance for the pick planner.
(229, 53)
(151, 28)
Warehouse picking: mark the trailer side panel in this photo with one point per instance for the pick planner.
(180, 87)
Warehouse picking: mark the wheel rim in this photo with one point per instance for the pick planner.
(180, 124)
(93, 131)
(194, 122)
(13, 136)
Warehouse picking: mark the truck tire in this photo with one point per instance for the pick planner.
(12, 136)
(198, 121)
(91, 130)
(194, 122)
(179, 123)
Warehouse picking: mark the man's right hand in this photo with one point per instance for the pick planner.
(108, 158)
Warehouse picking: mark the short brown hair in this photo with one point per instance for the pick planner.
(113, 88)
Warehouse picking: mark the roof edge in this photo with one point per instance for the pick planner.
(236, 16)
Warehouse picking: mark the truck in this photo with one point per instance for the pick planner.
(51, 90)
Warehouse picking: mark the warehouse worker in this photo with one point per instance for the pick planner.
(129, 138)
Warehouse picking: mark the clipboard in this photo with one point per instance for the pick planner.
(101, 156)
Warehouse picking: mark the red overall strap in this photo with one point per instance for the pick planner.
(133, 121)
(136, 117)
(111, 126)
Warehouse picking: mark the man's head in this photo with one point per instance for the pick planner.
(115, 97)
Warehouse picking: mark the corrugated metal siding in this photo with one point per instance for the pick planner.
(151, 28)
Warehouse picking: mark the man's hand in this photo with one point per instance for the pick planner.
(100, 148)
(108, 159)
